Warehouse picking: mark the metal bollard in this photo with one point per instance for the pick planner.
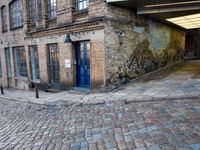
(36, 93)
(2, 92)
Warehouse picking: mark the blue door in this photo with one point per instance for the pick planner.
(83, 64)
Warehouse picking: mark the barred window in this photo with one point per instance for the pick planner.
(8, 62)
(52, 9)
(34, 10)
(4, 19)
(81, 5)
(34, 63)
(20, 62)
(16, 14)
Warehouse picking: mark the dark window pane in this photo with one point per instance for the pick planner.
(34, 63)
(52, 9)
(81, 4)
(8, 62)
(34, 11)
(0, 67)
(4, 19)
(16, 14)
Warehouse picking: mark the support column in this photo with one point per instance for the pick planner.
(25, 14)
(64, 12)
(44, 13)
(66, 70)
(42, 54)
(27, 62)
(4, 79)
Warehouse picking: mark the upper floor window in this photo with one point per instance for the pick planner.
(4, 19)
(34, 10)
(52, 9)
(16, 14)
(81, 5)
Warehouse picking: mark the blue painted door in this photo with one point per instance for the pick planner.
(83, 64)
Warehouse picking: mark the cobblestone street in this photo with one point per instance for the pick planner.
(165, 125)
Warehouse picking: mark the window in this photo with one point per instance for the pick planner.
(16, 14)
(34, 10)
(4, 19)
(52, 9)
(33, 53)
(53, 63)
(81, 5)
(20, 62)
(0, 67)
(8, 62)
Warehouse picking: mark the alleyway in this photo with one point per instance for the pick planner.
(158, 112)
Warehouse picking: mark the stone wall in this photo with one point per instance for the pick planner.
(136, 45)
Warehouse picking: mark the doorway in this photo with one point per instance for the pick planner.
(83, 64)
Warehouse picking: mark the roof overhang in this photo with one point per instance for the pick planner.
(162, 10)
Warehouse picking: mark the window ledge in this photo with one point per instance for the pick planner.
(36, 81)
(52, 22)
(4, 31)
(80, 12)
(32, 27)
(21, 78)
(11, 29)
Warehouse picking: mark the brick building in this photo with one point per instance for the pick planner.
(81, 43)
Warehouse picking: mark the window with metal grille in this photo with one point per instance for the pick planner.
(8, 62)
(81, 4)
(4, 19)
(52, 9)
(53, 63)
(20, 62)
(16, 14)
(34, 60)
(34, 11)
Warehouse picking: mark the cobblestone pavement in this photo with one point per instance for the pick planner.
(165, 125)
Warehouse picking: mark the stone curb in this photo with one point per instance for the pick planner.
(124, 100)
(154, 99)
(26, 101)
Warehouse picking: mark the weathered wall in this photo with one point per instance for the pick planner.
(136, 45)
